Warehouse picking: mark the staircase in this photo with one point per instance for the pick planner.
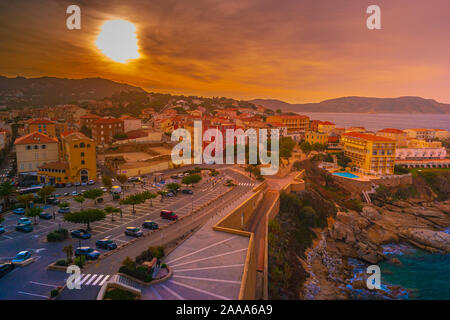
(127, 282)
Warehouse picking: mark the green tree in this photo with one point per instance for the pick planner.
(68, 250)
(173, 187)
(86, 131)
(133, 199)
(191, 179)
(85, 216)
(45, 192)
(305, 146)
(64, 205)
(107, 182)
(7, 189)
(122, 178)
(33, 213)
(149, 196)
(111, 210)
(80, 199)
(25, 199)
(162, 193)
(93, 194)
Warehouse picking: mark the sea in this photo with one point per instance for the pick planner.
(377, 121)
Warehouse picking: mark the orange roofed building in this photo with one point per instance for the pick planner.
(33, 150)
(104, 130)
(399, 136)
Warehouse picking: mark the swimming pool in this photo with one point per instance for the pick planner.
(346, 175)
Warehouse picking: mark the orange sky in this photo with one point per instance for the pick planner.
(293, 50)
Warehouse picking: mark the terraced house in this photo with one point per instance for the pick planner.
(77, 161)
(369, 154)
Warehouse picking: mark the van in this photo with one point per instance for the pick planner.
(169, 215)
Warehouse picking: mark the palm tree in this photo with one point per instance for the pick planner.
(7, 189)
(68, 250)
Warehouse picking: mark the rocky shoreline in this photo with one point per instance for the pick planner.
(335, 263)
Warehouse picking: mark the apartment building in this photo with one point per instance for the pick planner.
(34, 150)
(294, 123)
(104, 130)
(369, 154)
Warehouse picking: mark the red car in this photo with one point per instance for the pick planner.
(167, 214)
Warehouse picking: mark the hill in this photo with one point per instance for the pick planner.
(362, 105)
(22, 91)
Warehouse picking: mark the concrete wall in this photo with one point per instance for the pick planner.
(235, 223)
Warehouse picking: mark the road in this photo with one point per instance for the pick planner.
(35, 282)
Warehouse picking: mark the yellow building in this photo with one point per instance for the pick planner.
(77, 162)
(33, 150)
(44, 126)
(316, 137)
(292, 122)
(370, 154)
(419, 143)
(399, 136)
(325, 126)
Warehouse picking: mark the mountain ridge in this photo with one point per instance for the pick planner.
(356, 104)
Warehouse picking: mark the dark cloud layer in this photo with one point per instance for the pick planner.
(296, 50)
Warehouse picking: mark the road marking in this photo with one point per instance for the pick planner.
(200, 250)
(91, 279)
(172, 292)
(199, 290)
(104, 280)
(44, 284)
(207, 279)
(156, 293)
(211, 257)
(97, 280)
(85, 278)
(208, 268)
(32, 294)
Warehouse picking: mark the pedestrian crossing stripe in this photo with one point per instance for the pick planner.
(93, 279)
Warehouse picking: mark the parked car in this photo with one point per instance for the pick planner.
(19, 211)
(2, 229)
(133, 231)
(60, 185)
(84, 183)
(68, 185)
(24, 228)
(66, 194)
(91, 182)
(5, 268)
(21, 257)
(64, 210)
(169, 215)
(57, 195)
(45, 216)
(104, 189)
(53, 200)
(174, 176)
(106, 244)
(187, 191)
(24, 221)
(170, 194)
(74, 193)
(80, 233)
(148, 224)
(88, 252)
(77, 184)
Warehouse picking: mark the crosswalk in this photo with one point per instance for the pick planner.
(246, 184)
(93, 279)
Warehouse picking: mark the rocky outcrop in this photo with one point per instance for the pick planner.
(361, 236)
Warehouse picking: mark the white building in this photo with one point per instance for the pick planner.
(420, 153)
(131, 123)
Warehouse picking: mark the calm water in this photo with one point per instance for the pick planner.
(425, 275)
(379, 121)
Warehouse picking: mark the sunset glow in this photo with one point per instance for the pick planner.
(117, 40)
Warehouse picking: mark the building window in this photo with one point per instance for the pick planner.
(36, 147)
(88, 145)
(75, 146)
(82, 161)
(82, 145)
(82, 154)
(28, 147)
(44, 146)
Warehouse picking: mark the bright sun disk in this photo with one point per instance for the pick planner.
(117, 40)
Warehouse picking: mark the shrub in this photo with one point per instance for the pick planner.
(164, 266)
(61, 262)
(57, 235)
(119, 294)
(54, 293)
(354, 204)
(80, 261)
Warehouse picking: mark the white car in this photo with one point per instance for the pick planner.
(91, 182)
(74, 193)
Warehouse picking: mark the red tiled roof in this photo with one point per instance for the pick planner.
(293, 117)
(35, 138)
(365, 136)
(38, 121)
(332, 139)
(90, 116)
(66, 133)
(391, 130)
(126, 117)
(327, 123)
(108, 120)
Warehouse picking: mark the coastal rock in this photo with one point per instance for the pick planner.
(380, 236)
(370, 213)
(435, 239)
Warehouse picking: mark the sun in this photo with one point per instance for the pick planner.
(117, 40)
